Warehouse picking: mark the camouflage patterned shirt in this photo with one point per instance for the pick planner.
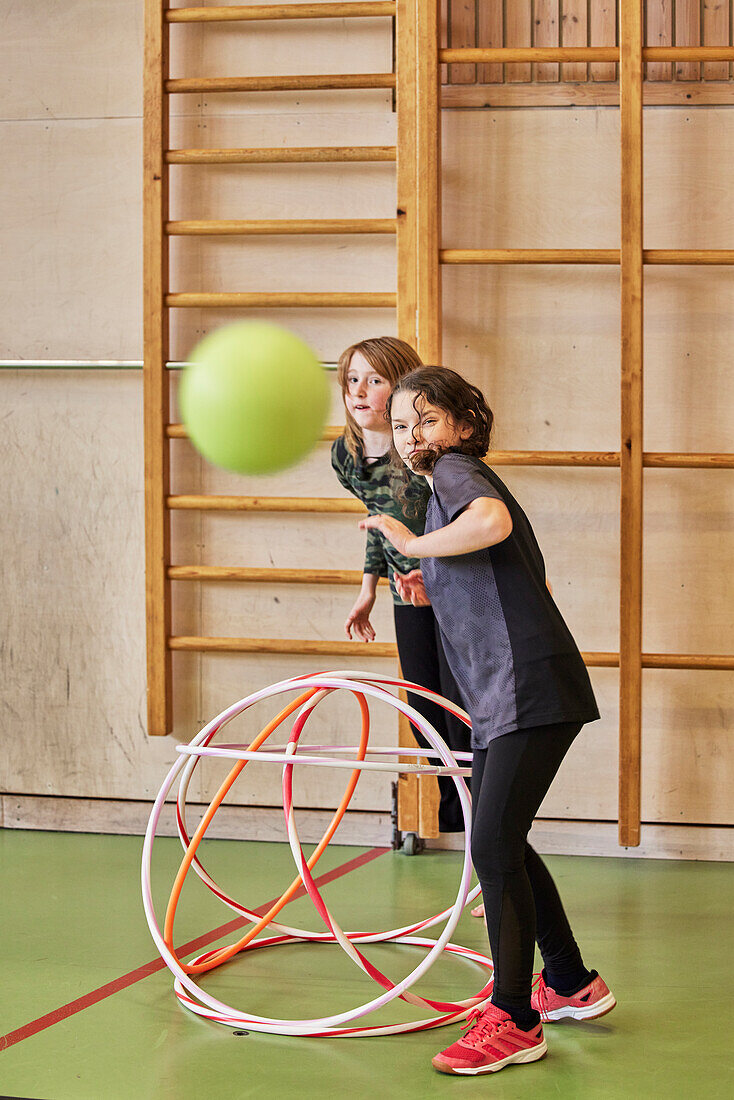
(374, 485)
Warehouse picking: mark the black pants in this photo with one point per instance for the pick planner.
(423, 661)
(509, 781)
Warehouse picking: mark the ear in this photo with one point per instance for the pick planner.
(466, 429)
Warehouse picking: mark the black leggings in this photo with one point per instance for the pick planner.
(422, 660)
(509, 781)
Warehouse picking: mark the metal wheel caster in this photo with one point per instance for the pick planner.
(413, 844)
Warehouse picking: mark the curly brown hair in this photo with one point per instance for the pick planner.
(446, 390)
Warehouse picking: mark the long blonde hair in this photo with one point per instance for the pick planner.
(390, 358)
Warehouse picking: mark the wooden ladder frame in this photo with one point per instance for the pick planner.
(418, 801)
(420, 257)
(631, 458)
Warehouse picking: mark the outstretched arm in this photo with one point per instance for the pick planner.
(484, 522)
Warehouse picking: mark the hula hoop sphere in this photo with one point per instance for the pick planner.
(354, 760)
(254, 398)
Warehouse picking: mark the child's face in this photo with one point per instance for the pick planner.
(419, 426)
(366, 394)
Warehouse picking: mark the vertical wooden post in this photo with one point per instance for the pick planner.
(630, 641)
(688, 33)
(715, 33)
(603, 32)
(429, 181)
(407, 213)
(518, 32)
(574, 32)
(408, 818)
(545, 33)
(418, 798)
(155, 355)
(490, 32)
(659, 33)
(462, 32)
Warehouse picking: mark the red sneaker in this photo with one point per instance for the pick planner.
(594, 1000)
(491, 1043)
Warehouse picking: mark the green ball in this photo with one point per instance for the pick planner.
(254, 398)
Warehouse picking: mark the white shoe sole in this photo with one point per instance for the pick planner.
(587, 1012)
(532, 1055)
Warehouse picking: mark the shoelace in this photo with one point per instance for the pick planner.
(541, 991)
(478, 1030)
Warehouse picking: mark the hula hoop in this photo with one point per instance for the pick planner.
(313, 689)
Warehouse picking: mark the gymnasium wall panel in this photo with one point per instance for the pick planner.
(687, 762)
(73, 701)
(79, 59)
(689, 383)
(70, 265)
(530, 179)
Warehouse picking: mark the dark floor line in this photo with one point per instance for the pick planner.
(137, 975)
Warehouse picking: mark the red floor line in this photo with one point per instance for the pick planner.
(133, 976)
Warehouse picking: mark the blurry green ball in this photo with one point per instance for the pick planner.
(254, 398)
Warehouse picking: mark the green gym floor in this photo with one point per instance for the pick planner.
(83, 1017)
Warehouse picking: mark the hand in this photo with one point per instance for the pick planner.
(411, 589)
(394, 531)
(358, 619)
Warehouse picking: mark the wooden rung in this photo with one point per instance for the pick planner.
(509, 54)
(199, 502)
(601, 660)
(254, 575)
(316, 154)
(712, 662)
(672, 460)
(281, 11)
(688, 256)
(688, 53)
(280, 227)
(325, 82)
(280, 300)
(583, 53)
(688, 461)
(654, 256)
(303, 647)
(553, 458)
(178, 431)
(529, 255)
